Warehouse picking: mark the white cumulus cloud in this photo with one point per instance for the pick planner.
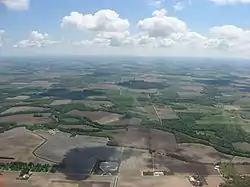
(230, 32)
(101, 21)
(161, 32)
(161, 25)
(16, 4)
(36, 39)
(229, 37)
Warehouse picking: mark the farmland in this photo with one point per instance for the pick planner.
(143, 114)
(20, 150)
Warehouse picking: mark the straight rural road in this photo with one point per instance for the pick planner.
(155, 109)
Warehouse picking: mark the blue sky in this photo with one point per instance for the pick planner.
(211, 27)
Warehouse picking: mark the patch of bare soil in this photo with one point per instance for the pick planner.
(201, 153)
(242, 169)
(104, 86)
(97, 116)
(26, 119)
(109, 119)
(145, 138)
(242, 146)
(166, 113)
(61, 102)
(162, 141)
(129, 122)
(171, 181)
(20, 97)
(167, 163)
(19, 143)
(22, 109)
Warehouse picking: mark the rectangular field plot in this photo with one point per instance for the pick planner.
(166, 163)
(144, 138)
(202, 153)
(19, 143)
(23, 109)
(58, 145)
(63, 184)
(171, 181)
(134, 161)
(166, 113)
(97, 116)
(26, 119)
(162, 141)
(78, 184)
(134, 137)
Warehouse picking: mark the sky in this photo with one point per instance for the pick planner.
(209, 28)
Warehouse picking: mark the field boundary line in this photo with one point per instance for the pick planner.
(155, 109)
(39, 146)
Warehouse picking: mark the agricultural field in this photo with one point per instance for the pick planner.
(134, 161)
(144, 138)
(201, 153)
(22, 109)
(165, 113)
(61, 102)
(52, 180)
(97, 116)
(59, 145)
(26, 119)
(174, 115)
(18, 144)
(160, 182)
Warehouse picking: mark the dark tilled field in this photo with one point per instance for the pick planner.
(145, 139)
(162, 141)
(177, 166)
(134, 137)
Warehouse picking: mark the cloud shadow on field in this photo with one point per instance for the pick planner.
(78, 163)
